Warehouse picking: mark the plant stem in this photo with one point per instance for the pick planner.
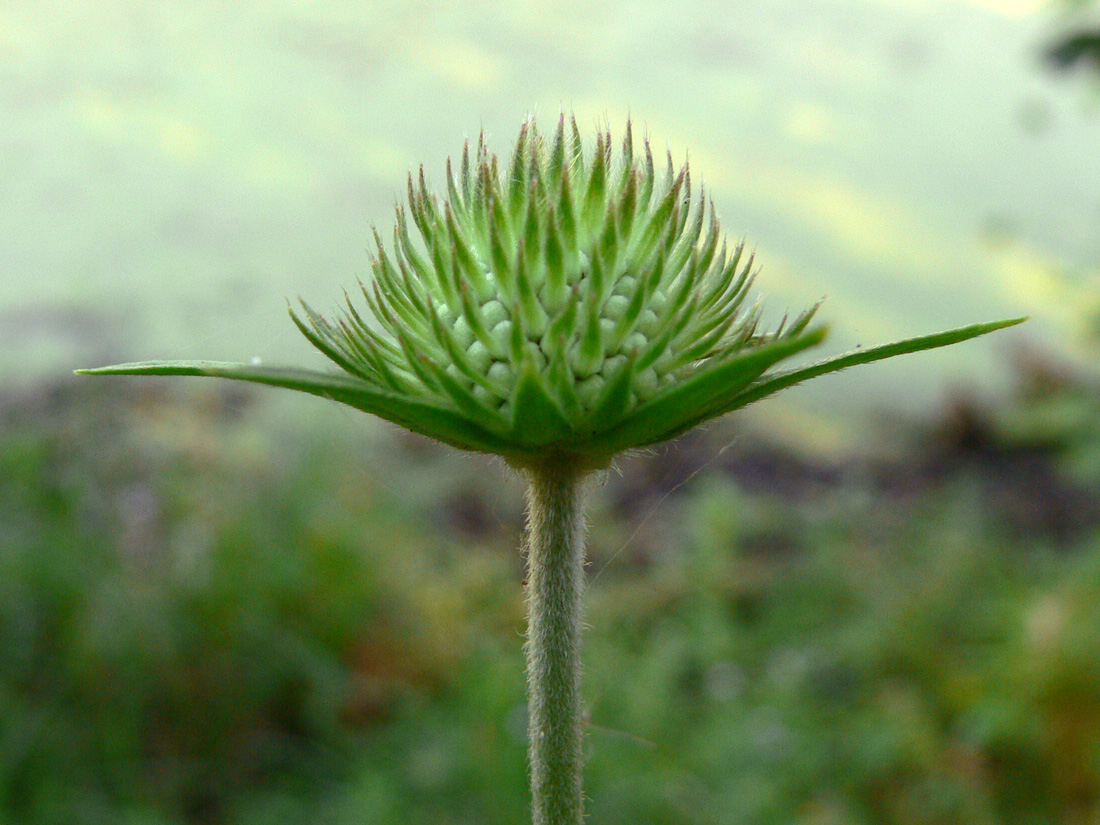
(555, 583)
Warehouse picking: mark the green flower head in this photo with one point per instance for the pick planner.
(567, 306)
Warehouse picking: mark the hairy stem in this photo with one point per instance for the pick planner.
(555, 583)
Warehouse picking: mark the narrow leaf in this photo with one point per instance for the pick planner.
(668, 414)
(421, 416)
(783, 380)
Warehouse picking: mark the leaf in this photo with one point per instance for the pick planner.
(782, 380)
(536, 417)
(684, 405)
(421, 416)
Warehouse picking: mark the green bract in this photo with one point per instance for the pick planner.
(568, 307)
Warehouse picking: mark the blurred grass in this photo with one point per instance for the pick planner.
(203, 623)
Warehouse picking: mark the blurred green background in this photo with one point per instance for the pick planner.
(875, 600)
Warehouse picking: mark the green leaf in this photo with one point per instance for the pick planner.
(595, 200)
(467, 189)
(566, 215)
(321, 334)
(536, 417)
(557, 164)
(782, 380)
(648, 177)
(612, 402)
(421, 416)
(517, 175)
(469, 268)
(628, 151)
(668, 414)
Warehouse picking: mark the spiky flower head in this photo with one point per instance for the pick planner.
(573, 302)
(566, 307)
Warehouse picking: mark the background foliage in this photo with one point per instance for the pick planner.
(200, 623)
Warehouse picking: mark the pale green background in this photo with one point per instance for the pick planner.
(171, 172)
